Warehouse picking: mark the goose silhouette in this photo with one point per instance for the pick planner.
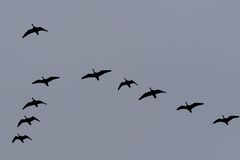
(96, 74)
(20, 138)
(27, 120)
(127, 83)
(34, 103)
(190, 107)
(151, 93)
(45, 81)
(225, 120)
(34, 29)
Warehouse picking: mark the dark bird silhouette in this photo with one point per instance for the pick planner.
(45, 81)
(21, 138)
(34, 29)
(127, 83)
(96, 74)
(151, 93)
(27, 120)
(34, 103)
(225, 120)
(189, 107)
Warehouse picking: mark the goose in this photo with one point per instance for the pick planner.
(190, 107)
(151, 93)
(27, 120)
(45, 81)
(127, 83)
(96, 74)
(225, 120)
(34, 29)
(20, 138)
(34, 103)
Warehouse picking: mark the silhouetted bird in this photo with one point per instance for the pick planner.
(34, 29)
(27, 120)
(127, 83)
(225, 120)
(151, 93)
(96, 74)
(34, 103)
(189, 107)
(21, 138)
(45, 81)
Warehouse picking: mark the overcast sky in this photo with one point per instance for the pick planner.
(190, 49)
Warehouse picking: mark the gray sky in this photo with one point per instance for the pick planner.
(188, 48)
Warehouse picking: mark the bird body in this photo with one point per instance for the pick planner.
(127, 83)
(189, 107)
(225, 120)
(27, 120)
(34, 103)
(95, 74)
(20, 138)
(151, 93)
(45, 81)
(34, 29)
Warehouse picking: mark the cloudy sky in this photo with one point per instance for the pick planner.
(190, 49)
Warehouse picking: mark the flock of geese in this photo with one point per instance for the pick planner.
(96, 75)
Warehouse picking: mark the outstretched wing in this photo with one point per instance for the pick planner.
(181, 107)
(232, 117)
(28, 32)
(133, 82)
(42, 29)
(41, 102)
(26, 137)
(52, 78)
(218, 120)
(38, 81)
(145, 95)
(14, 139)
(34, 118)
(120, 85)
(20, 122)
(90, 75)
(27, 105)
(196, 104)
(103, 72)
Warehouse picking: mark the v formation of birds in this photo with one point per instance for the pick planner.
(128, 83)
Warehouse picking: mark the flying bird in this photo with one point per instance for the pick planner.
(189, 107)
(127, 83)
(20, 138)
(45, 81)
(27, 120)
(34, 29)
(225, 120)
(96, 74)
(34, 103)
(151, 93)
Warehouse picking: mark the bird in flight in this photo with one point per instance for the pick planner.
(20, 138)
(225, 120)
(34, 103)
(189, 107)
(27, 120)
(45, 81)
(96, 74)
(34, 29)
(127, 83)
(151, 93)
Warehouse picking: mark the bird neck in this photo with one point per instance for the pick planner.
(25, 117)
(93, 71)
(186, 103)
(150, 88)
(223, 117)
(43, 78)
(33, 26)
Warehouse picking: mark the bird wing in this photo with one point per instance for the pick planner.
(103, 72)
(20, 122)
(145, 95)
(133, 82)
(38, 81)
(42, 102)
(14, 139)
(232, 117)
(120, 85)
(34, 118)
(26, 137)
(42, 29)
(27, 105)
(89, 75)
(52, 78)
(181, 107)
(196, 104)
(27, 33)
(218, 120)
